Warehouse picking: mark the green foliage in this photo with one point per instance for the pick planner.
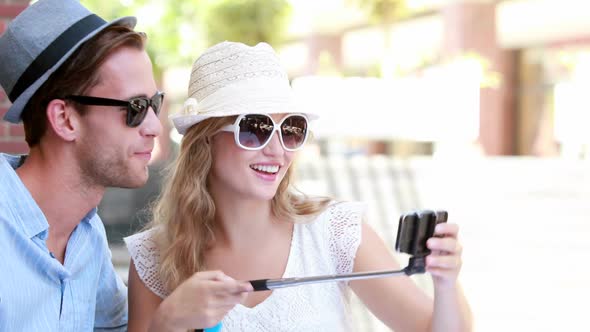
(176, 37)
(108, 10)
(179, 30)
(172, 27)
(247, 21)
(383, 11)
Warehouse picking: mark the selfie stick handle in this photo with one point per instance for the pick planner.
(216, 328)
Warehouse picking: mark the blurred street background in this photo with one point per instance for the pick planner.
(478, 107)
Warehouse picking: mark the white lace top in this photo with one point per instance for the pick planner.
(327, 245)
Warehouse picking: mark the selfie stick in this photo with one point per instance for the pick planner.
(413, 231)
(269, 284)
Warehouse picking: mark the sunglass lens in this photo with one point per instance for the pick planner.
(136, 111)
(294, 131)
(157, 102)
(138, 108)
(255, 130)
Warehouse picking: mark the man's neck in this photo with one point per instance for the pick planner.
(57, 187)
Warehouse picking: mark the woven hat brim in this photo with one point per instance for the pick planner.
(15, 111)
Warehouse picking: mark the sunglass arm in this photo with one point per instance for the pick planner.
(269, 284)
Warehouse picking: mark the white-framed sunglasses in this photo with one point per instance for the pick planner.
(254, 131)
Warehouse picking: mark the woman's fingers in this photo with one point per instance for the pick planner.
(446, 230)
(441, 274)
(232, 286)
(229, 292)
(443, 262)
(445, 245)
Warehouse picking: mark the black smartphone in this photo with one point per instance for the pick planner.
(415, 228)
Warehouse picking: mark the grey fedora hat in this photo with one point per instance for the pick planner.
(38, 41)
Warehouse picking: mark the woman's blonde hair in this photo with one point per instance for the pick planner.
(184, 213)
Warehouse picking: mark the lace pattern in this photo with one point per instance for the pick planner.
(146, 259)
(345, 238)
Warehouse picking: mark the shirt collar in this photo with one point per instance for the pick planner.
(90, 215)
(27, 212)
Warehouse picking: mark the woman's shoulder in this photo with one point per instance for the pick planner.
(343, 212)
(148, 235)
(338, 216)
(143, 243)
(145, 255)
(338, 230)
(348, 206)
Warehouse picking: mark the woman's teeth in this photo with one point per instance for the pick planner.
(266, 168)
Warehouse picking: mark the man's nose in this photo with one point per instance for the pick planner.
(151, 125)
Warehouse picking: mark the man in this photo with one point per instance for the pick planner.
(85, 92)
(55, 262)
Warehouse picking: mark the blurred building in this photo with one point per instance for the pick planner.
(511, 71)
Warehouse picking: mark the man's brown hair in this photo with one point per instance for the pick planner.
(76, 76)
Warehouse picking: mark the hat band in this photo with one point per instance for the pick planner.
(276, 94)
(54, 52)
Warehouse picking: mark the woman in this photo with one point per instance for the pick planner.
(227, 213)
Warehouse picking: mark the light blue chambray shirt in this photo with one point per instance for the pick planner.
(37, 292)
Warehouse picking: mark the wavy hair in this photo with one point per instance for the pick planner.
(184, 213)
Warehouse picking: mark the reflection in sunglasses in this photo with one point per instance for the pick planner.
(293, 130)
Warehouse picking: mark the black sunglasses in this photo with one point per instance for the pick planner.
(137, 107)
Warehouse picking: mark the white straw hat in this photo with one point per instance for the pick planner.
(232, 78)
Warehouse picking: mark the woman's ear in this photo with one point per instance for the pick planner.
(63, 119)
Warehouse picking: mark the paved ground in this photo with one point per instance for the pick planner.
(524, 223)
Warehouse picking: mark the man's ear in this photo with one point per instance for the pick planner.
(63, 119)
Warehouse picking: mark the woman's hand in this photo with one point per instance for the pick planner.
(204, 299)
(444, 263)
